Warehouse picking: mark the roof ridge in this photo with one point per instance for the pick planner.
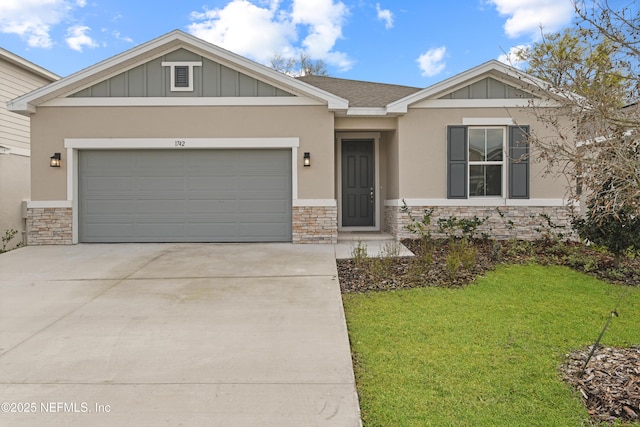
(358, 81)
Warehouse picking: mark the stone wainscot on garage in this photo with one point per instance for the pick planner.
(178, 140)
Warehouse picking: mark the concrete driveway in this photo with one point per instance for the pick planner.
(174, 335)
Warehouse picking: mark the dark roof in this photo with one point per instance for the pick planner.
(359, 93)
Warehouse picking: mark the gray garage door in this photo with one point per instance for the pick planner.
(184, 195)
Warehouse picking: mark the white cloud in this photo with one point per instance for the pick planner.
(119, 36)
(511, 57)
(77, 38)
(526, 16)
(33, 19)
(245, 29)
(261, 30)
(323, 20)
(432, 61)
(386, 16)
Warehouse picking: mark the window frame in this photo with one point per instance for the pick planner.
(502, 163)
(172, 75)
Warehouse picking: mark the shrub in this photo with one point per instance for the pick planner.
(421, 226)
(453, 227)
(452, 263)
(359, 254)
(619, 232)
(6, 239)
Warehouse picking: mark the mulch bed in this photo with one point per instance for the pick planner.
(610, 384)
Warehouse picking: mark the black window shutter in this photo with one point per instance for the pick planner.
(181, 76)
(457, 162)
(518, 162)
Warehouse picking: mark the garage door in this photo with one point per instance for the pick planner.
(184, 195)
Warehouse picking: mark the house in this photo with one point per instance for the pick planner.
(17, 77)
(178, 140)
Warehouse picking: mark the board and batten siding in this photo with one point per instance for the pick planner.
(14, 82)
(488, 88)
(152, 79)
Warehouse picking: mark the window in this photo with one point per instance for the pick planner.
(486, 161)
(181, 75)
(479, 164)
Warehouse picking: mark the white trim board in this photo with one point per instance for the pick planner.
(479, 202)
(48, 204)
(329, 203)
(487, 121)
(482, 103)
(179, 143)
(216, 101)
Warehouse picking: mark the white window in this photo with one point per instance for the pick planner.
(181, 75)
(486, 161)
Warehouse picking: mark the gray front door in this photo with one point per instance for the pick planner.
(185, 195)
(358, 188)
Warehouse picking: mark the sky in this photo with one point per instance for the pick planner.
(408, 42)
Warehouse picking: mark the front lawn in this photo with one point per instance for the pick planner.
(487, 354)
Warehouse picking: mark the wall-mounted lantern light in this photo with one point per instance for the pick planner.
(307, 159)
(54, 161)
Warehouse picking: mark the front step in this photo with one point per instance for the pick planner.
(375, 243)
(362, 236)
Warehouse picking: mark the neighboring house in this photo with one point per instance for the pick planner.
(178, 140)
(17, 77)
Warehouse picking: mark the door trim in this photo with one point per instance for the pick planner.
(375, 136)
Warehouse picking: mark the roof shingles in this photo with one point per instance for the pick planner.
(359, 93)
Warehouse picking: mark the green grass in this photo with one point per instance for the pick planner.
(484, 355)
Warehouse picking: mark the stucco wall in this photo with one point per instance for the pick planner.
(422, 156)
(313, 125)
(14, 188)
(391, 151)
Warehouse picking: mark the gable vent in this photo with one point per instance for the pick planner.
(181, 76)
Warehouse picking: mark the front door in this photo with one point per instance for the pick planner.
(358, 188)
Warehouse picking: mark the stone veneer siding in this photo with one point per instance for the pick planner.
(49, 226)
(315, 224)
(528, 224)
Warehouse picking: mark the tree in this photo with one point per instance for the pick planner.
(302, 65)
(591, 72)
(618, 231)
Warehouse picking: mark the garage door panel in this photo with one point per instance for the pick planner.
(212, 207)
(166, 230)
(105, 231)
(258, 229)
(266, 207)
(108, 184)
(167, 207)
(225, 230)
(153, 160)
(218, 182)
(160, 183)
(265, 182)
(100, 206)
(191, 196)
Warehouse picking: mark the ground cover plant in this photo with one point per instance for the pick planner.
(484, 354)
